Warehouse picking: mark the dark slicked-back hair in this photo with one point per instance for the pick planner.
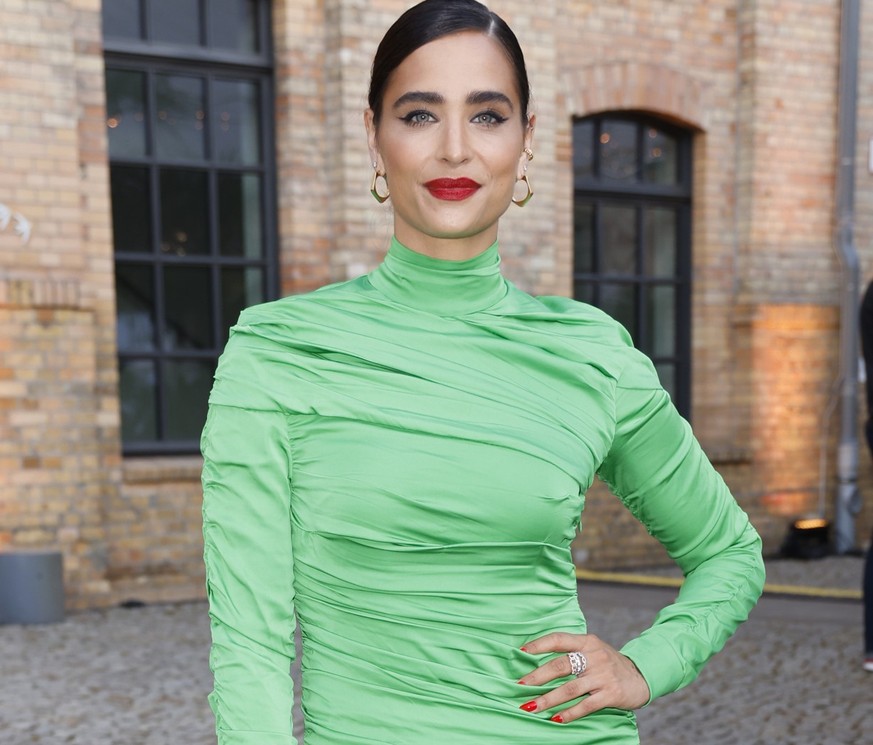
(431, 20)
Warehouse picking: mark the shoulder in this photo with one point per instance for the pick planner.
(563, 316)
(569, 308)
(278, 311)
(270, 341)
(632, 368)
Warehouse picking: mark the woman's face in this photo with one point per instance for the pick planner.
(451, 142)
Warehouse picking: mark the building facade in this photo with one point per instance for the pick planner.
(164, 164)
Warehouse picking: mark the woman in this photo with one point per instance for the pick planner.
(401, 460)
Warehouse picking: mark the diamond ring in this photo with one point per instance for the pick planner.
(578, 663)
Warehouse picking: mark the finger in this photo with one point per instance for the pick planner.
(559, 667)
(558, 641)
(591, 703)
(561, 695)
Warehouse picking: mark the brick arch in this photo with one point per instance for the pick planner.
(616, 86)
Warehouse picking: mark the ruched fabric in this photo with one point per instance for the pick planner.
(400, 462)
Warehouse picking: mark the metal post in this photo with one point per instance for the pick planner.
(848, 500)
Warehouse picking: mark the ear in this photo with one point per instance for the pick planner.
(528, 143)
(372, 143)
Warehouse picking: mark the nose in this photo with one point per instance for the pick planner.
(454, 144)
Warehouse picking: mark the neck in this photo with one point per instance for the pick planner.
(448, 249)
(442, 286)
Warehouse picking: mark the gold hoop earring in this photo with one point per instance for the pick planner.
(529, 153)
(380, 198)
(526, 198)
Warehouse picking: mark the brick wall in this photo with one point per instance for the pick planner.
(58, 407)
(754, 82)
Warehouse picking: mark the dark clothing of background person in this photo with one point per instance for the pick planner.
(867, 349)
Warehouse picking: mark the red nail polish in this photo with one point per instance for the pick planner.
(521, 682)
(529, 706)
(558, 718)
(524, 649)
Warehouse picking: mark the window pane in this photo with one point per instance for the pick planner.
(135, 313)
(667, 374)
(122, 19)
(175, 21)
(184, 212)
(618, 150)
(660, 157)
(618, 239)
(125, 113)
(583, 237)
(187, 308)
(661, 309)
(138, 400)
(618, 300)
(239, 215)
(240, 288)
(584, 292)
(180, 117)
(186, 393)
(659, 236)
(583, 149)
(233, 24)
(236, 133)
(131, 210)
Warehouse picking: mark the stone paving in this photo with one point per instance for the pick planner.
(139, 676)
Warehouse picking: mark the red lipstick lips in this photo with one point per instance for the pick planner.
(452, 189)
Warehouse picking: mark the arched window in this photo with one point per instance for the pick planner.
(632, 235)
(189, 98)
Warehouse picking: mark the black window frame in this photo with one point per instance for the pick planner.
(600, 191)
(210, 64)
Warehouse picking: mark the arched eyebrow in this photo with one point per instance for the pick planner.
(476, 98)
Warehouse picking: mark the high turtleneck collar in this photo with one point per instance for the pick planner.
(440, 286)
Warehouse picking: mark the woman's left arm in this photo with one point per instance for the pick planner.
(658, 470)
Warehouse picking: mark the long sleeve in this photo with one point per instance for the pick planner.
(659, 471)
(249, 570)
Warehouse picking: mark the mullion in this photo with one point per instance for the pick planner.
(145, 19)
(198, 62)
(597, 131)
(598, 247)
(655, 191)
(640, 316)
(157, 237)
(198, 260)
(159, 355)
(204, 25)
(174, 163)
(262, 29)
(199, 354)
(638, 137)
(269, 218)
(216, 273)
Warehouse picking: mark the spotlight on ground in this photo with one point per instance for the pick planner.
(807, 538)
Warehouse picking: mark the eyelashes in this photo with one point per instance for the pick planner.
(492, 116)
(420, 118)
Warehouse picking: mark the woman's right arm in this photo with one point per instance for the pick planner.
(249, 569)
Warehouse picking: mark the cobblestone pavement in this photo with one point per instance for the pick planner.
(139, 676)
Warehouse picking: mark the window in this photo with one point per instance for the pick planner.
(188, 113)
(632, 234)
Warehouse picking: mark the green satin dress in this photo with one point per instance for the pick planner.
(399, 462)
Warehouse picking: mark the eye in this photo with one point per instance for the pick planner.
(418, 118)
(489, 118)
